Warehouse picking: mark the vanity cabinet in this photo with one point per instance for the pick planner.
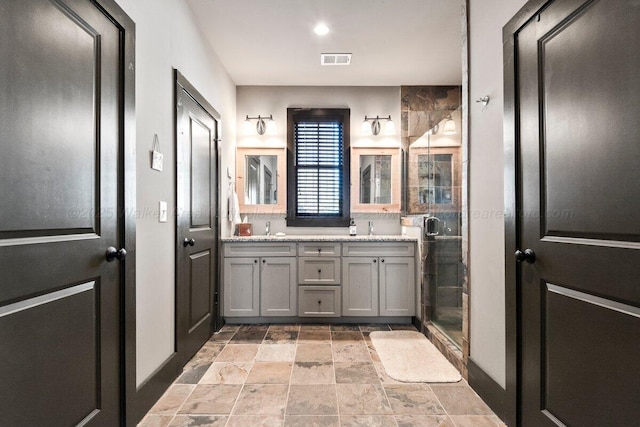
(379, 280)
(263, 284)
(319, 279)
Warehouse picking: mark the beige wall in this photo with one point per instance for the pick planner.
(486, 200)
(166, 38)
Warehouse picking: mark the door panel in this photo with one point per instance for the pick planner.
(67, 368)
(197, 222)
(579, 93)
(201, 141)
(61, 109)
(62, 81)
(580, 352)
(200, 288)
(581, 71)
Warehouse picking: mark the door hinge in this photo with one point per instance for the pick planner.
(215, 298)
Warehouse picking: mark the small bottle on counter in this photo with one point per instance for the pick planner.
(352, 227)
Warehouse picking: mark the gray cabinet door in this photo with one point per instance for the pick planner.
(397, 286)
(360, 286)
(278, 286)
(241, 287)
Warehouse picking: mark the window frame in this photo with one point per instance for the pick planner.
(343, 116)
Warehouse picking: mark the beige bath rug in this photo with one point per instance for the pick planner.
(408, 356)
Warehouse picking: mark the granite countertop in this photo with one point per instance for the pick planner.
(320, 238)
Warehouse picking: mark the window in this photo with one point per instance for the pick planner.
(318, 167)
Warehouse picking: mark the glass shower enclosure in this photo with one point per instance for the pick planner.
(435, 191)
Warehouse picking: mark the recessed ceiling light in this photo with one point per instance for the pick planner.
(321, 29)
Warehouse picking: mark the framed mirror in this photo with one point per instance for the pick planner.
(434, 180)
(375, 180)
(261, 179)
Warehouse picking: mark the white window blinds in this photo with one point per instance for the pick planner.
(319, 157)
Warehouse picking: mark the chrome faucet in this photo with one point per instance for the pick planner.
(370, 228)
(267, 228)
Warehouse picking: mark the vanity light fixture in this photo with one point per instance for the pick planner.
(374, 127)
(449, 127)
(262, 127)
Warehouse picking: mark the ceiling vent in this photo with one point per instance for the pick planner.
(335, 58)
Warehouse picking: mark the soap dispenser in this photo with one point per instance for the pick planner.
(352, 227)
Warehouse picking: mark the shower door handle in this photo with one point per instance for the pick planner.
(431, 226)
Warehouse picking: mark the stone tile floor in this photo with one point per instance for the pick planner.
(307, 376)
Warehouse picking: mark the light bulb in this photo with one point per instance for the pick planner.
(449, 127)
(390, 128)
(365, 129)
(271, 127)
(247, 129)
(321, 29)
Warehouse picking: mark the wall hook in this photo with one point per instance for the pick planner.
(484, 100)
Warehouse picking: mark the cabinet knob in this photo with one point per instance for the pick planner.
(264, 260)
(319, 271)
(319, 302)
(382, 260)
(319, 251)
(375, 260)
(255, 261)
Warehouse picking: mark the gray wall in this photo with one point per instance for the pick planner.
(371, 101)
(166, 38)
(486, 200)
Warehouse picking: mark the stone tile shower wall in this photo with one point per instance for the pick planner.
(422, 107)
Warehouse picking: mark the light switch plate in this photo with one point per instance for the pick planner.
(163, 214)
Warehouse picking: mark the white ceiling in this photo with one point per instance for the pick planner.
(393, 42)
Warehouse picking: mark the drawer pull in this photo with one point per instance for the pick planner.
(319, 251)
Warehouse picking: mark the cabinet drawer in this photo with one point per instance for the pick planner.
(259, 249)
(378, 249)
(319, 301)
(319, 249)
(318, 271)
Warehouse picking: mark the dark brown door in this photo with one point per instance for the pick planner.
(197, 222)
(60, 139)
(578, 86)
